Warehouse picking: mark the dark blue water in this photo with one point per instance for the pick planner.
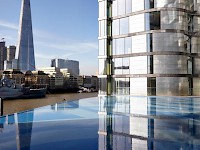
(106, 123)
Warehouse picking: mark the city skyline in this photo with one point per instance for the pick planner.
(75, 37)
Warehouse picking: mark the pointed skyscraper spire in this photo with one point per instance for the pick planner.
(25, 48)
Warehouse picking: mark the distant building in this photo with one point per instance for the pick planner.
(70, 80)
(10, 56)
(10, 64)
(15, 75)
(36, 79)
(56, 78)
(80, 81)
(72, 65)
(11, 53)
(14, 63)
(88, 82)
(7, 64)
(3, 55)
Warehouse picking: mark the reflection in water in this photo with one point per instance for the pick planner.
(22, 122)
(149, 123)
(24, 130)
(145, 123)
(65, 105)
(16, 129)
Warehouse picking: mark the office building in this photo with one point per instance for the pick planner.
(36, 79)
(3, 54)
(89, 82)
(149, 47)
(72, 65)
(25, 48)
(11, 53)
(16, 75)
(56, 79)
(7, 64)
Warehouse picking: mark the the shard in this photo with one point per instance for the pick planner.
(25, 48)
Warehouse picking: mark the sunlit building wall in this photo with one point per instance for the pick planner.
(72, 65)
(149, 47)
(56, 78)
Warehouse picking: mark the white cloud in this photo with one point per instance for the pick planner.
(9, 25)
(44, 56)
(68, 49)
(53, 41)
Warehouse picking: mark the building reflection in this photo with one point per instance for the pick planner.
(17, 128)
(22, 123)
(66, 105)
(149, 123)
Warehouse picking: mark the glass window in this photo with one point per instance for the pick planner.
(138, 5)
(102, 67)
(102, 28)
(114, 8)
(123, 26)
(114, 46)
(138, 65)
(153, 21)
(139, 43)
(189, 65)
(151, 86)
(102, 9)
(121, 7)
(149, 42)
(149, 4)
(118, 66)
(119, 46)
(102, 85)
(102, 47)
(166, 64)
(115, 27)
(128, 45)
(128, 6)
(150, 64)
(136, 23)
(125, 66)
(122, 86)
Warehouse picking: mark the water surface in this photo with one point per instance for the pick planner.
(105, 123)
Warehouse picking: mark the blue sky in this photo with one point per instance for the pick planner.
(61, 29)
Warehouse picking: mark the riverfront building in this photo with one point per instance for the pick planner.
(11, 53)
(72, 65)
(3, 54)
(149, 47)
(25, 48)
(8, 63)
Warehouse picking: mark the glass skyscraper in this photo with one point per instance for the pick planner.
(149, 47)
(25, 48)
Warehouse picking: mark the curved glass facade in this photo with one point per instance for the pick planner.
(154, 47)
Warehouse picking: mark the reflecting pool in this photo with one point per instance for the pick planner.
(106, 123)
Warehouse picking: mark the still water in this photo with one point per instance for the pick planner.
(106, 123)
